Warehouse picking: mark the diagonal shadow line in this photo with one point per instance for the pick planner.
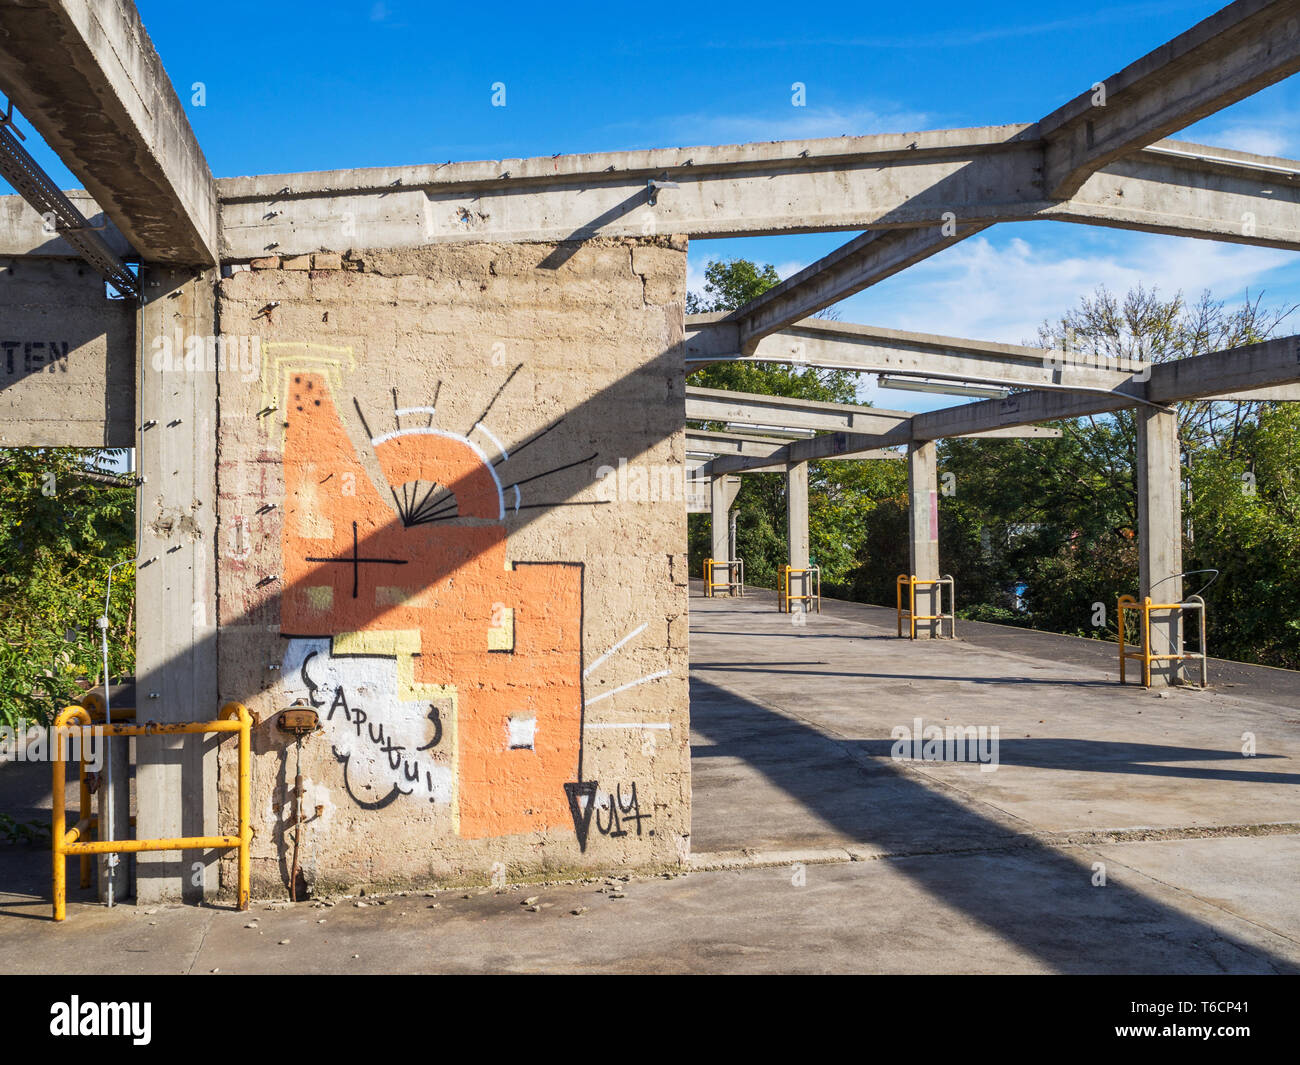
(1099, 756)
(1080, 929)
(568, 247)
(1054, 682)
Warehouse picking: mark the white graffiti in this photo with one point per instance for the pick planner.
(389, 746)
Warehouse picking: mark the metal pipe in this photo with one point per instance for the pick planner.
(107, 783)
(59, 816)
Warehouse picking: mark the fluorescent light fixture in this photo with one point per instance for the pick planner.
(943, 388)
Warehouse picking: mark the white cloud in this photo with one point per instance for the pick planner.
(1002, 290)
(1262, 140)
(1003, 284)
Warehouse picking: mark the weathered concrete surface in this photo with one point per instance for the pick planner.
(176, 579)
(86, 75)
(443, 417)
(922, 914)
(1078, 753)
(67, 357)
(904, 867)
(23, 232)
(885, 181)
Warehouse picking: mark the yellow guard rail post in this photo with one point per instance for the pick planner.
(911, 581)
(65, 841)
(1143, 653)
(812, 578)
(735, 576)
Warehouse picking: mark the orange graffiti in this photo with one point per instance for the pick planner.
(433, 559)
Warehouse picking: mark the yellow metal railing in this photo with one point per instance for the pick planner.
(812, 586)
(735, 570)
(1143, 653)
(911, 581)
(65, 841)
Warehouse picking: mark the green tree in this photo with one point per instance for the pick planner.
(66, 522)
(1058, 518)
(839, 493)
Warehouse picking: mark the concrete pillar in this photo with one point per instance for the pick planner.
(796, 513)
(1160, 535)
(176, 655)
(719, 504)
(923, 522)
(796, 524)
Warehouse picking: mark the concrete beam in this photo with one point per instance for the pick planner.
(719, 405)
(87, 77)
(1191, 190)
(732, 444)
(1267, 365)
(885, 181)
(800, 186)
(780, 459)
(1280, 394)
(868, 445)
(1248, 45)
(872, 349)
(864, 261)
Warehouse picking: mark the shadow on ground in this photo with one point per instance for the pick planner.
(1036, 897)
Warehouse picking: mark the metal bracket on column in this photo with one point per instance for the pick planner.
(655, 184)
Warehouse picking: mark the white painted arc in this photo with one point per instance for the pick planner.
(492, 436)
(430, 431)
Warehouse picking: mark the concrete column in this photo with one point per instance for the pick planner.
(796, 522)
(796, 513)
(176, 654)
(923, 521)
(1160, 532)
(719, 503)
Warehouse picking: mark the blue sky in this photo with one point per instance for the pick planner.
(296, 86)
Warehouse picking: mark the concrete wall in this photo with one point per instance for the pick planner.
(451, 611)
(67, 357)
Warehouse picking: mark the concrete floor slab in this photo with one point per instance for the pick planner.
(816, 851)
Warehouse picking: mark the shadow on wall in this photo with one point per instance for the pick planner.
(393, 555)
(1034, 897)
